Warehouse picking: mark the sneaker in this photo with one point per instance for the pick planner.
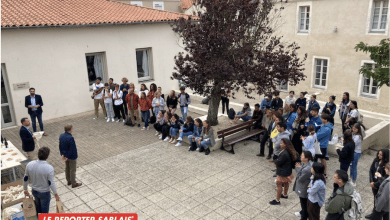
(105, 117)
(201, 149)
(147, 128)
(160, 137)
(94, 118)
(108, 120)
(197, 149)
(143, 128)
(170, 140)
(207, 151)
(118, 120)
(112, 119)
(180, 139)
(174, 141)
(178, 144)
(298, 214)
(124, 120)
(157, 133)
(166, 139)
(274, 202)
(284, 197)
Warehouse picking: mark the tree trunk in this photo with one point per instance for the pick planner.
(215, 98)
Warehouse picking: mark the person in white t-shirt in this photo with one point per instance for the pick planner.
(143, 89)
(107, 96)
(353, 114)
(117, 95)
(97, 96)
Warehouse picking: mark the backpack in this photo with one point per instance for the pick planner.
(356, 210)
(128, 122)
(152, 119)
(193, 146)
(231, 113)
(187, 96)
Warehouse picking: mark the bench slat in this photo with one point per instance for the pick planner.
(234, 131)
(244, 136)
(235, 127)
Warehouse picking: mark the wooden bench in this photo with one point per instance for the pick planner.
(235, 129)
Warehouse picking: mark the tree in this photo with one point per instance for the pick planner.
(231, 43)
(380, 55)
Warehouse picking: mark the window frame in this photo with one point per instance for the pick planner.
(105, 69)
(313, 78)
(298, 18)
(150, 64)
(139, 3)
(370, 19)
(162, 3)
(283, 90)
(361, 83)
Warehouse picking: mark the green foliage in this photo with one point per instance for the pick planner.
(380, 55)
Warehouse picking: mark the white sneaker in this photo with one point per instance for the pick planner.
(157, 133)
(298, 214)
(166, 139)
(180, 139)
(143, 128)
(160, 137)
(178, 144)
(197, 149)
(170, 140)
(174, 141)
(105, 117)
(113, 119)
(94, 118)
(124, 120)
(108, 120)
(147, 128)
(118, 120)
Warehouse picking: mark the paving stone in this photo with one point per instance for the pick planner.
(201, 210)
(111, 197)
(96, 203)
(103, 191)
(166, 203)
(104, 209)
(89, 197)
(239, 216)
(213, 216)
(177, 210)
(143, 203)
(251, 211)
(224, 197)
(152, 210)
(119, 203)
(236, 204)
(225, 211)
(73, 203)
(67, 196)
(155, 197)
(188, 215)
(133, 197)
(83, 208)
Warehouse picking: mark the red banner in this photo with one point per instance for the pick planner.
(88, 216)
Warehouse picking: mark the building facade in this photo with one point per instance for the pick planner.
(170, 5)
(61, 62)
(328, 31)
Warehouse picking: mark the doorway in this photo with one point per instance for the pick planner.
(7, 112)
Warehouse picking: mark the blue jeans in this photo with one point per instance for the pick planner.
(184, 110)
(244, 118)
(146, 115)
(353, 171)
(182, 134)
(205, 143)
(173, 131)
(42, 201)
(33, 116)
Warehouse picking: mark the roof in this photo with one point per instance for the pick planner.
(186, 4)
(55, 13)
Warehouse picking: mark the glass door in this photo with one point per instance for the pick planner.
(7, 117)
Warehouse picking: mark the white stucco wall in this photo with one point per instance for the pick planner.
(53, 61)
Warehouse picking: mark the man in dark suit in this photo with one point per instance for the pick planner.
(69, 155)
(27, 137)
(34, 105)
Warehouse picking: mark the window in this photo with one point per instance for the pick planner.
(369, 85)
(139, 3)
(379, 15)
(304, 18)
(282, 86)
(143, 57)
(96, 67)
(158, 5)
(321, 71)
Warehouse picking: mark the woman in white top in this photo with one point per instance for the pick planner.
(158, 103)
(118, 103)
(290, 99)
(357, 135)
(344, 109)
(107, 96)
(353, 114)
(143, 89)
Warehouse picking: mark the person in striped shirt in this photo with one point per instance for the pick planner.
(40, 174)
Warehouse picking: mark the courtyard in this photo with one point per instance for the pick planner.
(124, 169)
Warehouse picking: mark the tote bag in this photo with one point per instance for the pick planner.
(317, 147)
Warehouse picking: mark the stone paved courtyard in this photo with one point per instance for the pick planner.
(125, 169)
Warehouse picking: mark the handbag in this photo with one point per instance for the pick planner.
(317, 147)
(29, 209)
(59, 207)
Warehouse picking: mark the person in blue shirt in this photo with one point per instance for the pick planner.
(291, 117)
(316, 191)
(69, 155)
(330, 108)
(266, 102)
(312, 104)
(314, 120)
(323, 135)
(301, 101)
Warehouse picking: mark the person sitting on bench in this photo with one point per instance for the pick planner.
(245, 114)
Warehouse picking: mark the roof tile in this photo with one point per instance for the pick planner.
(22, 13)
